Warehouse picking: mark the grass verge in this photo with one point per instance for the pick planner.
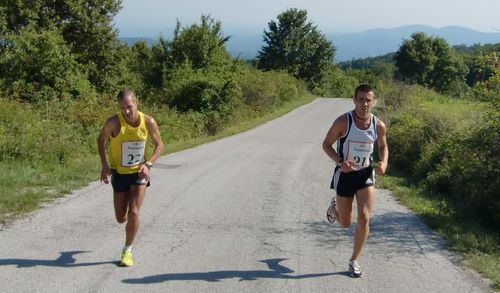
(25, 187)
(478, 248)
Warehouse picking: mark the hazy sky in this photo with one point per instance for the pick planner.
(150, 17)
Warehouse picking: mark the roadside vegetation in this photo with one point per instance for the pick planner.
(61, 65)
(441, 167)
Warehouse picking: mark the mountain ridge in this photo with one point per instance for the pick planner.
(387, 40)
(368, 43)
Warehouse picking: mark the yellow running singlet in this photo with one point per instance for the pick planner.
(128, 149)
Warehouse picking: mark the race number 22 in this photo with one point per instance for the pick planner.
(133, 153)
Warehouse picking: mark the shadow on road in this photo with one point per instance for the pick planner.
(167, 166)
(399, 233)
(65, 260)
(276, 271)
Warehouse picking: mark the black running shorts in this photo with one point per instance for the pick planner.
(347, 184)
(122, 182)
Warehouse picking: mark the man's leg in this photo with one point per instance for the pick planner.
(344, 211)
(120, 201)
(365, 199)
(136, 198)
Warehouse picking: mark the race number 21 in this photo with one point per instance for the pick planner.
(359, 153)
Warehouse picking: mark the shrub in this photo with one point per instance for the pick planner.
(444, 147)
(206, 95)
(467, 170)
(30, 135)
(335, 83)
(39, 66)
(266, 90)
(405, 140)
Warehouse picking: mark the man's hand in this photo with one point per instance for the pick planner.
(105, 172)
(143, 172)
(347, 166)
(380, 168)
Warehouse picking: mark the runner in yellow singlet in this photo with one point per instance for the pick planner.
(129, 164)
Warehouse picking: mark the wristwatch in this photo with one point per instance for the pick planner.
(148, 164)
(339, 163)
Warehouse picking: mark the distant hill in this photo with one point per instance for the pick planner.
(370, 43)
(378, 42)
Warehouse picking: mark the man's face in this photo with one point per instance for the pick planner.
(364, 101)
(128, 107)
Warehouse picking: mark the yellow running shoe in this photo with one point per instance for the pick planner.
(127, 260)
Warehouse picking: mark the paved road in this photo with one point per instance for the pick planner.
(242, 214)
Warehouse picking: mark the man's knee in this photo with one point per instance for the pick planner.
(121, 218)
(363, 219)
(345, 222)
(133, 215)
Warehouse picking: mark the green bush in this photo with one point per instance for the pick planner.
(39, 66)
(206, 95)
(488, 89)
(335, 83)
(405, 140)
(448, 148)
(175, 126)
(266, 90)
(30, 135)
(216, 100)
(468, 171)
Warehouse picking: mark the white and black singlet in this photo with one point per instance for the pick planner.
(356, 146)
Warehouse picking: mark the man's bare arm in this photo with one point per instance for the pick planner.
(383, 149)
(338, 129)
(154, 132)
(102, 139)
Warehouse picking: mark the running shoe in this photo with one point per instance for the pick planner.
(127, 260)
(330, 212)
(355, 269)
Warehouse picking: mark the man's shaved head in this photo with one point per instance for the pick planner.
(125, 94)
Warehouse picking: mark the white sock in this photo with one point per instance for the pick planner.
(127, 248)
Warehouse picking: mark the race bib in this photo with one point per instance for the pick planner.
(133, 153)
(360, 153)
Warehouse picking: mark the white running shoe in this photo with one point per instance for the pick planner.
(355, 269)
(330, 212)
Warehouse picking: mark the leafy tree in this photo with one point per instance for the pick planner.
(40, 63)
(86, 26)
(196, 54)
(415, 59)
(478, 59)
(202, 45)
(429, 61)
(146, 67)
(197, 69)
(296, 46)
(449, 70)
(383, 70)
(488, 88)
(482, 68)
(469, 52)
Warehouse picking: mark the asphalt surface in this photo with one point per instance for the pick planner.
(242, 214)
